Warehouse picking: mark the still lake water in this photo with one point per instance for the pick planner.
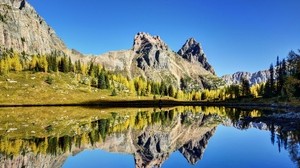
(176, 137)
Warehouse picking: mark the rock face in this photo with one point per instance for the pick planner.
(144, 43)
(22, 29)
(254, 78)
(152, 59)
(152, 51)
(193, 52)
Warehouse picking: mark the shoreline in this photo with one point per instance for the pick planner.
(161, 103)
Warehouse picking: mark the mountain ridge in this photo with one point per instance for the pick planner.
(151, 58)
(24, 30)
(254, 78)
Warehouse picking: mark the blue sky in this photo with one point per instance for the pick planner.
(237, 35)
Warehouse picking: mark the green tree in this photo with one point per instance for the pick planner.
(70, 66)
(91, 69)
(163, 89)
(245, 87)
(271, 82)
(171, 91)
(101, 81)
(107, 81)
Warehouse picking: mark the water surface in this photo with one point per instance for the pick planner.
(174, 137)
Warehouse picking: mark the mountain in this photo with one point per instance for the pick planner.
(254, 78)
(151, 58)
(193, 52)
(23, 29)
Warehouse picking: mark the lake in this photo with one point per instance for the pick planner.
(71, 137)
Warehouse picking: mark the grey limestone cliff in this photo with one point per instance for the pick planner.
(254, 78)
(23, 29)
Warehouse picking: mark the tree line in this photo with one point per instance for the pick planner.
(284, 79)
(98, 76)
(283, 82)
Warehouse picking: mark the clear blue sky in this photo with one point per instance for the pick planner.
(237, 35)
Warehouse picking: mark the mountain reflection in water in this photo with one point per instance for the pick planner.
(46, 137)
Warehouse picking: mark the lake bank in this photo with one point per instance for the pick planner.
(166, 103)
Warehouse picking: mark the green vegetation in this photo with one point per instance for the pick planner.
(72, 80)
(283, 85)
(114, 92)
(55, 78)
(284, 81)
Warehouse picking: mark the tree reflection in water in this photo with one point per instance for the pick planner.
(151, 135)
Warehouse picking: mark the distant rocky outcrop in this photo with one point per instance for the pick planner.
(193, 52)
(254, 78)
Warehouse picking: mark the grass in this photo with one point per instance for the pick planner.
(53, 88)
(61, 88)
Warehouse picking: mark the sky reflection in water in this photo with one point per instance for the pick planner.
(229, 147)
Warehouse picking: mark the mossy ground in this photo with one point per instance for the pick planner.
(33, 88)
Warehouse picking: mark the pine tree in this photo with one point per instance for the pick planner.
(278, 76)
(107, 81)
(272, 82)
(245, 87)
(267, 89)
(70, 67)
(171, 91)
(91, 69)
(101, 81)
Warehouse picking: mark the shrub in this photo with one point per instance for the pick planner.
(114, 92)
(49, 80)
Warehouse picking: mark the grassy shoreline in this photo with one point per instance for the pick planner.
(27, 89)
(162, 103)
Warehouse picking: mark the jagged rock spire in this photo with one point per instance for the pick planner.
(144, 42)
(193, 52)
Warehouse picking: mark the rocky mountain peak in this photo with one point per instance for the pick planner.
(191, 43)
(144, 42)
(193, 52)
